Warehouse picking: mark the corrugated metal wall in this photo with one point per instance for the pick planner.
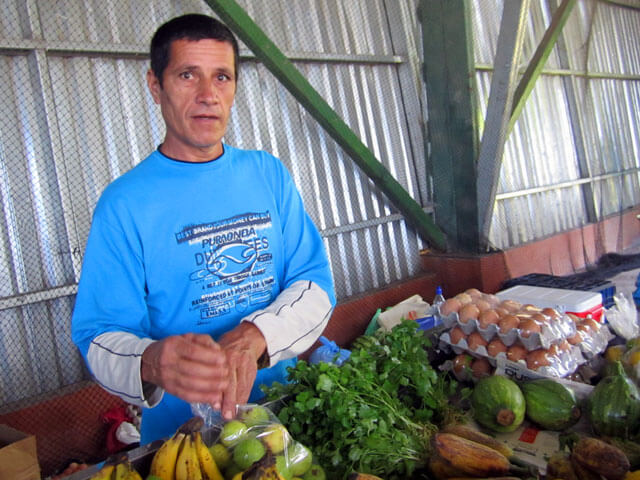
(573, 156)
(76, 114)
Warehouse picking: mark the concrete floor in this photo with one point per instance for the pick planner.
(626, 281)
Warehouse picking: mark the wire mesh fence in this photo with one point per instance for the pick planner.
(76, 114)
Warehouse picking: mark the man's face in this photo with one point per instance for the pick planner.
(196, 96)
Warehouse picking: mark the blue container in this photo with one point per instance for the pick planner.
(329, 352)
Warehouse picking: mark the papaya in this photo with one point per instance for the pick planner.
(614, 405)
(550, 404)
(498, 404)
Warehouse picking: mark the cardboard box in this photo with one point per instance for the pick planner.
(18, 455)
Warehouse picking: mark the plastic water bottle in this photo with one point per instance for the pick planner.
(329, 352)
(439, 298)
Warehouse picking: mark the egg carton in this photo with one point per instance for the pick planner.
(556, 361)
(591, 337)
(551, 332)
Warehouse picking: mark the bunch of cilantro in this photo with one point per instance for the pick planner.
(374, 414)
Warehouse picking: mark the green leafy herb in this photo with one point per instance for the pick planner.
(374, 414)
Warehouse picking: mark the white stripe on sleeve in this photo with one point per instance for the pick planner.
(114, 359)
(294, 321)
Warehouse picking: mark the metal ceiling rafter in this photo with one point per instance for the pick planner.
(534, 69)
(488, 175)
(499, 108)
(283, 69)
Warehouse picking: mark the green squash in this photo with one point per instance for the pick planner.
(498, 403)
(550, 404)
(614, 405)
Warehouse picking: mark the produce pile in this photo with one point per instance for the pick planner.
(331, 408)
(253, 446)
(392, 410)
(608, 449)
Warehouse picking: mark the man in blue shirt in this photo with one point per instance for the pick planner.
(203, 276)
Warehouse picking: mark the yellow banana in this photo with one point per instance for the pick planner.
(210, 470)
(120, 472)
(188, 465)
(163, 464)
(132, 474)
(104, 473)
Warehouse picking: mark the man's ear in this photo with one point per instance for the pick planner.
(154, 86)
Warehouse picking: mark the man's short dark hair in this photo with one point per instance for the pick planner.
(193, 27)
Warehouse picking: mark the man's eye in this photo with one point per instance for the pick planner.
(186, 75)
(223, 77)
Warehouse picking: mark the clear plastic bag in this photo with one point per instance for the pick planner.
(623, 317)
(254, 439)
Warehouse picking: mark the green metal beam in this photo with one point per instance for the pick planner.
(284, 70)
(449, 76)
(531, 74)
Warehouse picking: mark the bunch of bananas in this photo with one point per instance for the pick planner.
(463, 452)
(185, 456)
(119, 470)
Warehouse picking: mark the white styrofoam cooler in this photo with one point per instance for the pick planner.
(578, 302)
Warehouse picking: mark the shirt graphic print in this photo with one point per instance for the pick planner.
(232, 265)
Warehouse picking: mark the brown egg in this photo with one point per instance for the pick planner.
(493, 300)
(456, 335)
(508, 323)
(473, 292)
(511, 306)
(468, 312)
(593, 325)
(461, 363)
(516, 352)
(501, 311)
(487, 318)
(449, 306)
(576, 338)
(480, 368)
(585, 330)
(550, 312)
(528, 307)
(482, 304)
(495, 347)
(528, 326)
(464, 298)
(564, 346)
(540, 318)
(475, 340)
(574, 317)
(537, 358)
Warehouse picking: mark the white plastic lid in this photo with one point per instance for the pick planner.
(571, 300)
